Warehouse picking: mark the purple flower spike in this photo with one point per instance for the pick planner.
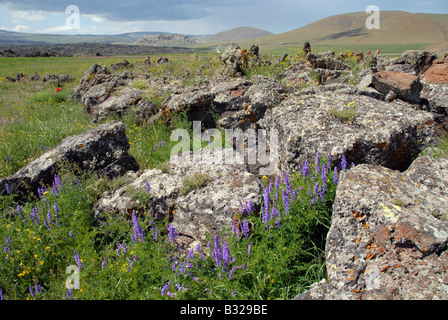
(172, 233)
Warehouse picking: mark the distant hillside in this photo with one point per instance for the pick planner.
(19, 38)
(397, 29)
(236, 34)
(166, 40)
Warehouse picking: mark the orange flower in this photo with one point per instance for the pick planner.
(58, 89)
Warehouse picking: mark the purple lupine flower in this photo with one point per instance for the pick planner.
(165, 288)
(49, 218)
(329, 161)
(34, 216)
(38, 288)
(20, 211)
(1, 294)
(121, 247)
(8, 189)
(233, 293)
(69, 293)
(56, 212)
(172, 233)
(57, 181)
(103, 264)
(285, 201)
(264, 215)
(217, 252)
(46, 224)
(335, 176)
(78, 260)
(287, 183)
(305, 169)
(226, 255)
(322, 194)
(70, 234)
(343, 163)
(31, 291)
(41, 191)
(324, 178)
(277, 223)
(266, 199)
(8, 245)
(249, 249)
(138, 234)
(148, 187)
(246, 228)
(78, 183)
(131, 263)
(180, 286)
(274, 212)
(233, 270)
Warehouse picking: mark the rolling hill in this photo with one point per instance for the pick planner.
(398, 31)
(236, 34)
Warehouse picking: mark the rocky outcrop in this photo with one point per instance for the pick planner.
(103, 150)
(407, 87)
(237, 102)
(326, 60)
(336, 120)
(208, 209)
(99, 94)
(389, 234)
(412, 62)
(435, 91)
(232, 59)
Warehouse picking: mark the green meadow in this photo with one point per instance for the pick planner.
(273, 252)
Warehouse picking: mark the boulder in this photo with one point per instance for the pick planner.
(117, 104)
(326, 60)
(97, 85)
(232, 59)
(435, 91)
(389, 234)
(406, 86)
(103, 150)
(227, 102)
(336, 120)
(412, 62)
(437, 73)
(195, 214)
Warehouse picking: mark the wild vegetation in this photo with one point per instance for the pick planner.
(274, 252)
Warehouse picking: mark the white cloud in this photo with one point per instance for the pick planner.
(19, 16)
(95, 18)
(56, 29)
(17, 28)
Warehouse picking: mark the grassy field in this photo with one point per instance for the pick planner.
(273, 253)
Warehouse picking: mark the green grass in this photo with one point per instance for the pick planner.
(286, 252)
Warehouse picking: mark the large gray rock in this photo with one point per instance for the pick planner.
(326, 60)
(412, 61)
(232, 59)
(338, 121)
(406, 86)
(117, 104)
(227, 102)
(96, 86)
(103, 149)
(389, 234)
(206, 210)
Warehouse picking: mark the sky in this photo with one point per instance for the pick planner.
(194, 17)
